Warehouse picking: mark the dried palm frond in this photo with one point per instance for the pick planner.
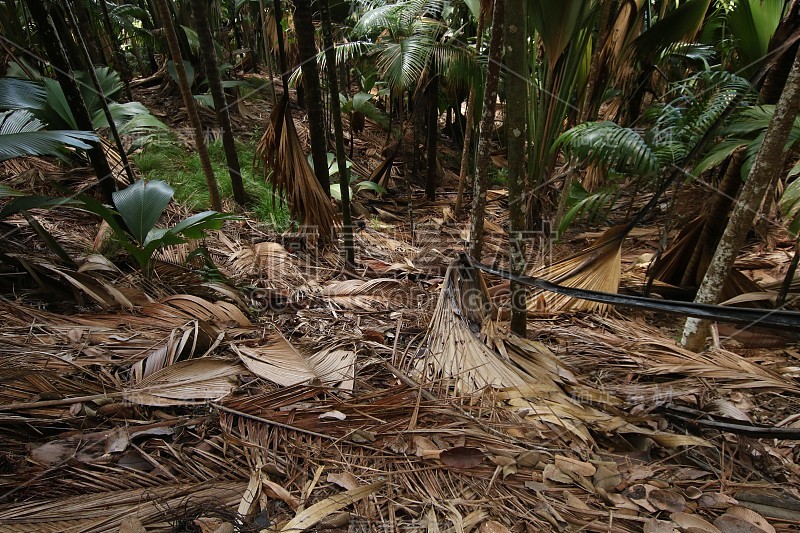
(185, 383)
(292, 177)
(277, 360)
(105, 511)
(597, 268)
(369, 295)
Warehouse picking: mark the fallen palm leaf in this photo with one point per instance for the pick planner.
(278, 361)
(279, 149)
(370, 295)
(596, 268)
(320, 510)
(186, 383)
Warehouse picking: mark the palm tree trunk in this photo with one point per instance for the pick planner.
(268, 53)
(432, 134)
(767, 164)
(52, 44)
(85, 23)
(284, 64)
(188, 101)
(119, 57)
(208, 56)
(336, 110)
(516, 99)
(487, 128)
(470, 126)
(714, 225)
(101, 97)
(307, 48)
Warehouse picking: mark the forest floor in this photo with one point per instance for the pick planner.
(279, 390)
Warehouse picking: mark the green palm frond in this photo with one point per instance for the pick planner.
(610, 145)
(21, 94)
(680, 24)
(752, 24)
(709, 94)
(403, 64)
(22, 134)
(557, 23)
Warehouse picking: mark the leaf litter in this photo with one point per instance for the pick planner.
(294, 394)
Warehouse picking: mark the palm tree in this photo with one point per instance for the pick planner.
(412, 49)
(333, 89)
(208, 56)
(188, 102)
(516, 122)
(766, 166)
(486, 130)
(307, 48)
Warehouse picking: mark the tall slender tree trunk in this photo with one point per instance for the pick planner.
(469, 127)
(487, 128)
(85, 23)
(284, 64)
(101, 97)
(768, 163)
(188, 101)
(515, 55)
(432, 133)
(208, 56)
(307, 48)
(58, 58)
(336, 111)
(116, 53)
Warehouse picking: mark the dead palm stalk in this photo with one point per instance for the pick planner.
(280, 150)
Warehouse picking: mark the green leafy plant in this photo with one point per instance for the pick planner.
(140, 206)
(22, 134)
(581, 202)
(45, 100)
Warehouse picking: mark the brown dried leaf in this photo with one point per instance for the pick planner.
(320, 510)
(462, 457)
(346, 480)
(658, 526)
(186, 383)
(751, 516)
(666, 500)
(693, 522)
(607, 477)
(492, 526)
(568, 464)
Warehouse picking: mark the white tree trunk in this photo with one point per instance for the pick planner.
(766, 167)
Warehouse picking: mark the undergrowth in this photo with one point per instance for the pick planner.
(169, 161)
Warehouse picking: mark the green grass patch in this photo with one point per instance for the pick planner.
(180, 168)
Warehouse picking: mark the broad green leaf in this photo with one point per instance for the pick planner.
(195, 226)
(141, 205)
(680, 24)
(22, 134)
(370, 186)
(25, 203)
(21, 94)
(187, 66)
(752, 24)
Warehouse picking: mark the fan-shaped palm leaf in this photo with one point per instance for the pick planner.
(22, 134)
(611, 145)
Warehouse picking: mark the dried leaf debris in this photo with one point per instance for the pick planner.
(390, 398)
